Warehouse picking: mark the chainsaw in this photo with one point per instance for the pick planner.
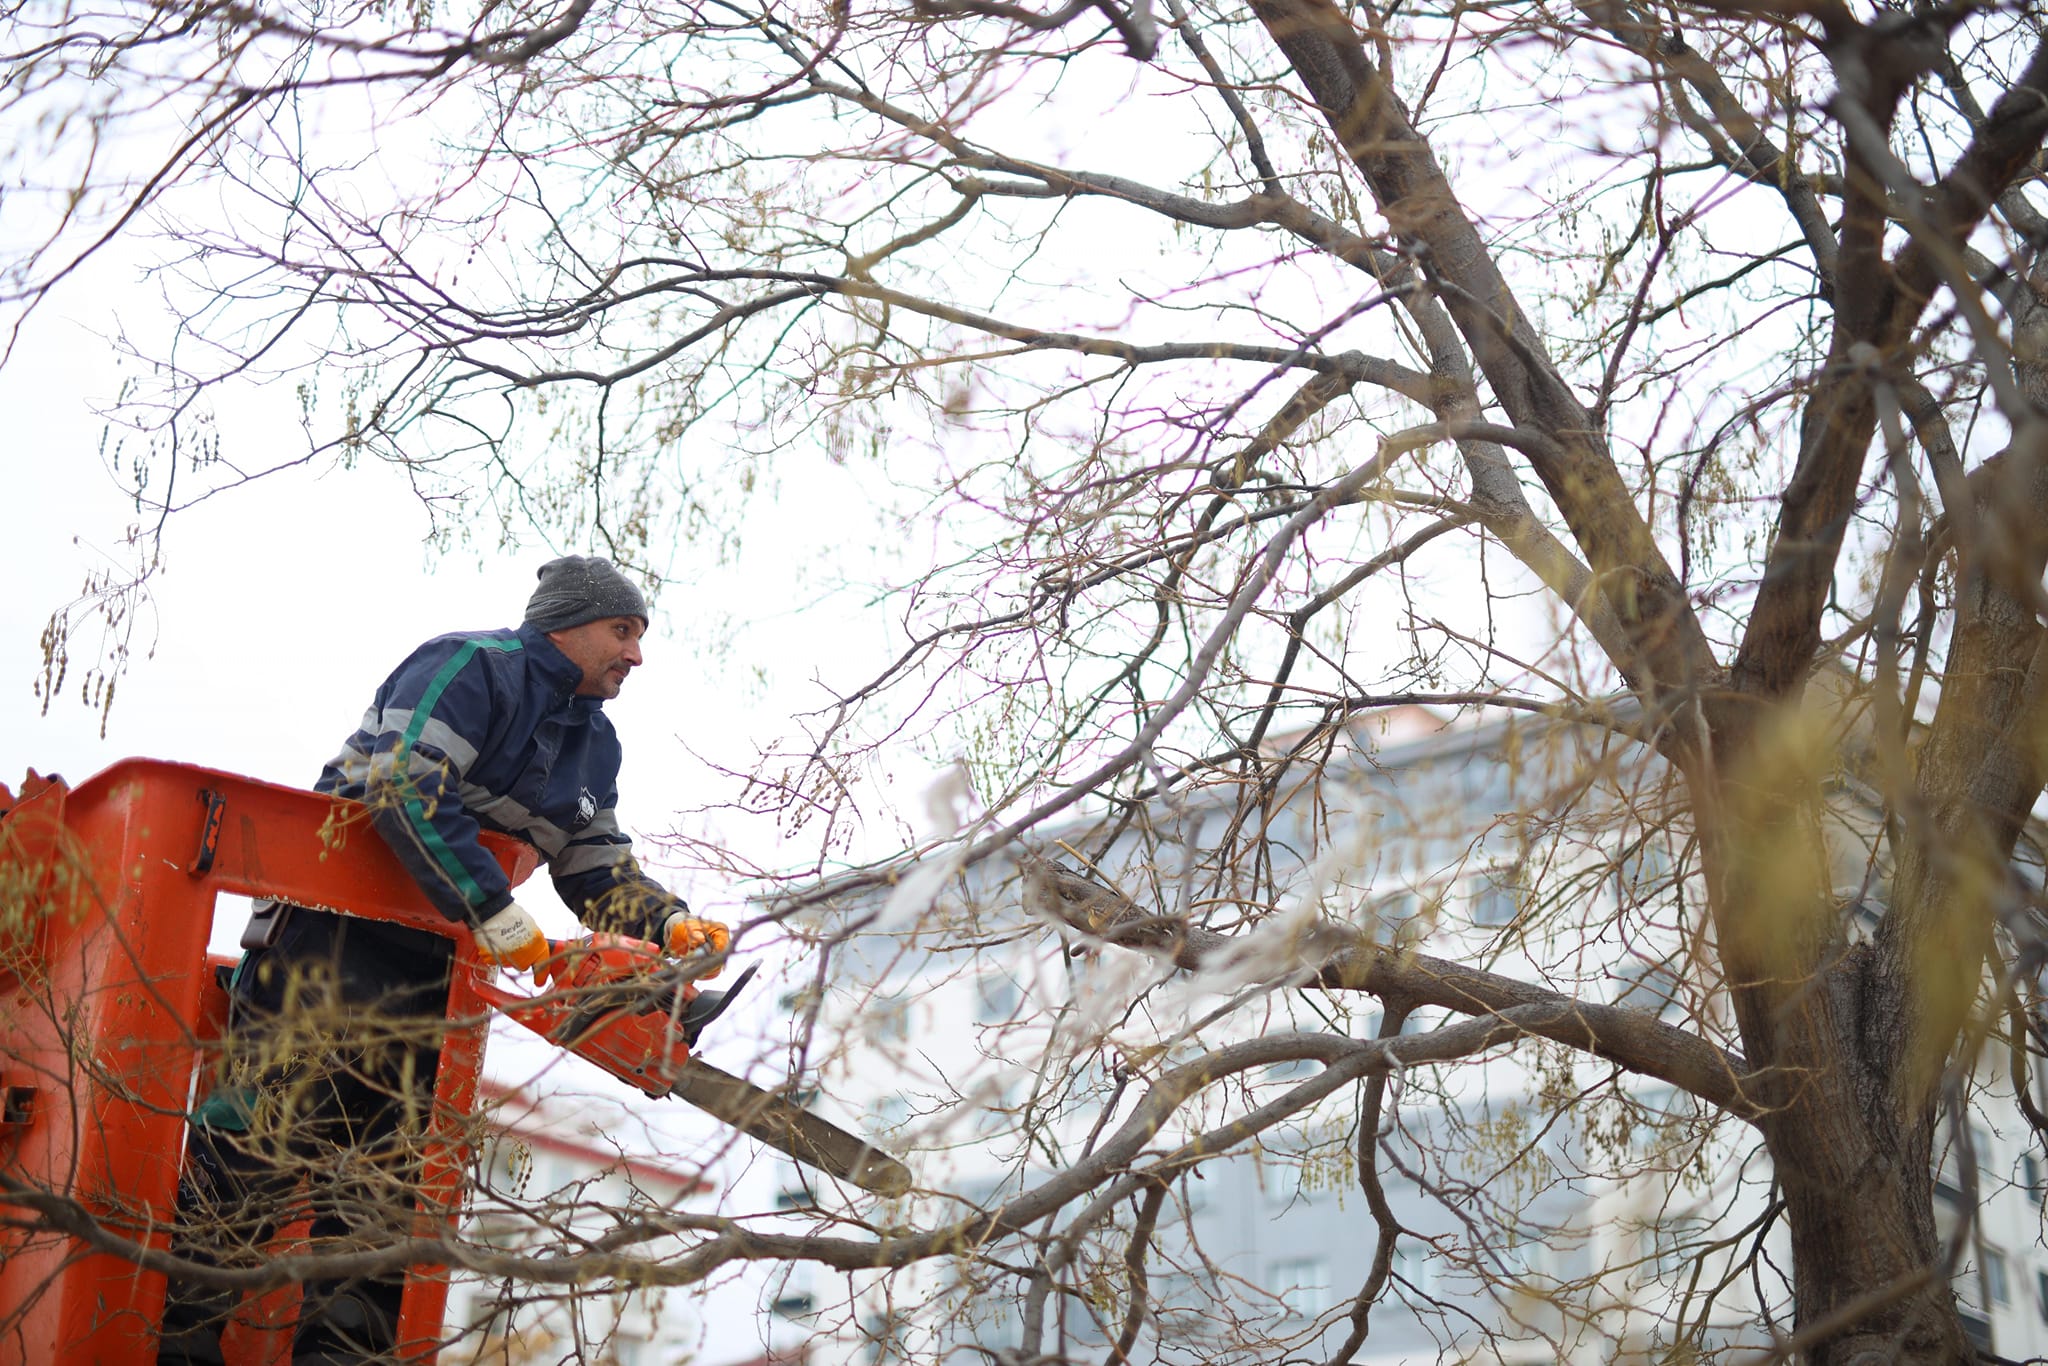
(620, 1003)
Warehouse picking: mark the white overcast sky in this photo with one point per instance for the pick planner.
(284, 604)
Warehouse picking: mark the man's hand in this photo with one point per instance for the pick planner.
(512, 939)
(683, 934)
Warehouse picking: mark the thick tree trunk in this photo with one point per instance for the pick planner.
(1850, 1152)
(1866, 1264)
(1856, 1177)
(1854, 1168)
(1853, 1040)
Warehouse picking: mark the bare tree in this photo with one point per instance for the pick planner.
(1247, 371)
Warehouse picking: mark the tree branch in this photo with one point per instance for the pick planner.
(1635, 1040)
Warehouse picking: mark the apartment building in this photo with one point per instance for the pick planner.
(985, 1051)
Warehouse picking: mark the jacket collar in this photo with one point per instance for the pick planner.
(556, 669)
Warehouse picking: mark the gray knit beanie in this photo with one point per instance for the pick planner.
(580, 588)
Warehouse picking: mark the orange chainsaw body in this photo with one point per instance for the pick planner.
(614, 1000)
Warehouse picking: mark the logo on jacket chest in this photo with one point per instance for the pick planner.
(586, 809)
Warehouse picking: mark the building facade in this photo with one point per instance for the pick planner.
(1550, 1208)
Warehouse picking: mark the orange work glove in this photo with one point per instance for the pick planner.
(683, 934)
(512, 939)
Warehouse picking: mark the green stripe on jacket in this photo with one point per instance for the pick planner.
(416, 809)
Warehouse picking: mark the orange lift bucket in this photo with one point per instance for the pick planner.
(108, 1002)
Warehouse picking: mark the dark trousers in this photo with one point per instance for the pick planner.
(319, 1112)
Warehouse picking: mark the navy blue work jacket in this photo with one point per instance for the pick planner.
(484, 729)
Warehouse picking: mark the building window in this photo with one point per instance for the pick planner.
(1524, 1258)
(996, 998)
(2041, 1294)
(792, 1292)
(495, 1321)
(1643, 873)
(1303, 1285)
(883, 1337)
(1997, 1281)
(1976, 1327)
(1497, 897)
(1396, 909)
(890, 1017)
(891, 1114)
(1174, 1290)
(1651, 987)
(1480, 784)
(1948, 1166)
(1677, 1242)
(2030, 1167)
(1414, 1265)
(794, 1191)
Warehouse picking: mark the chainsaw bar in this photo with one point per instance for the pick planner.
(809, 1138)
(638, 1018)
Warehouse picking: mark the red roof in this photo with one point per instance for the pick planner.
(535, 1125)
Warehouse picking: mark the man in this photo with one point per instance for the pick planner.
(334, 1029)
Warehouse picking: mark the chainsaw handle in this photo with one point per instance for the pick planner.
(618, 956)
(554, 965)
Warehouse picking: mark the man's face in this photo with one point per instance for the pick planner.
(606, 650)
